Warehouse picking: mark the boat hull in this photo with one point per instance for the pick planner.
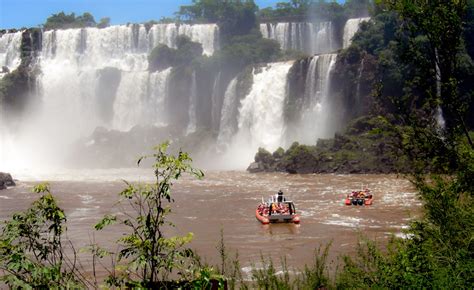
(277, 218)
(358, 201)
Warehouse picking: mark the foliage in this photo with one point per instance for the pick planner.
(368, 145)
(266, 276)
(149, 255)
(230, 266)
(64, 21)
(243, 51)
(235, 17)
(32, 250)
(469, 28)
(437, 253)
(304, 10)
(162, 56)
(316, 275)
(104, 22)
(435, 30)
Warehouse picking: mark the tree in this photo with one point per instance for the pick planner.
(235, 17)
(162, 56)
(64, 21)
(442, 25)
(104, 22)
(437, 252)
(149, 255)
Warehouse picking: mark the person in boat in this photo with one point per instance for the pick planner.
(280, 197)
(274, 208)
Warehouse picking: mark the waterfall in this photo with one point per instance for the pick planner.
(140, 100)
(359, 78)
(94, 77)
(260, 120)
(350, 29)
(73, 91)
(206, 34)
(158, 90)
(312, 38)
(192, 106)
(216, 102)
(228, 114)
(317, 104)
(10, 51)
(125, 47)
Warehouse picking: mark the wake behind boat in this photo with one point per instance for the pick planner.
(277, 210)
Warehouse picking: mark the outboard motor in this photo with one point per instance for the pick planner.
(360, 201)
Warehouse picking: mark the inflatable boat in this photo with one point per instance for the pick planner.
(363, 197)
(277, 210)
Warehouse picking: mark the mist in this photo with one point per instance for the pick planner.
(97, 104)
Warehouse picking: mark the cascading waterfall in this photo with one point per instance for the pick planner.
(206, 34)
(228, 115)
(260, 120)
(131, 100)
(77, 65)
(71, 61)
(158, 90)
(351, 27)
(192, 106)
(216, 103)
(312, 38)
(359, 79)
(10, 51)
(315, 116)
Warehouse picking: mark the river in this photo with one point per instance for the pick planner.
(227, 200)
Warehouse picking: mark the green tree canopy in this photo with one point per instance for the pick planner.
(62, 21)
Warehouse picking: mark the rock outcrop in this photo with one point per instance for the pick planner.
(367, 146)
(6, 180)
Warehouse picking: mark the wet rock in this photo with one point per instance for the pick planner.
(6, 180)
(255, 167)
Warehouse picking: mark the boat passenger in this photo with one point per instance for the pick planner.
(280, 197)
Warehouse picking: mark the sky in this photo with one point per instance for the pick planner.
(31, 13)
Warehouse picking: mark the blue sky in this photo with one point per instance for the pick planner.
(31, 13)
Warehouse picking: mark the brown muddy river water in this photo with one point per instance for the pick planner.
(227, 200)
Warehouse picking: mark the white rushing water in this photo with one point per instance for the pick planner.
(10, 51)
(350, 29)
(315, 117)
(226, 128)
(71, 87)
(216, 102)
(99, 78)
(192, 122)
(260, 120)
(312, 38)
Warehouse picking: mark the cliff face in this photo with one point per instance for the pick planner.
(18, 86)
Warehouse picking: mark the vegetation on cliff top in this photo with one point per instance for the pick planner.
(62, 20)
(162, 56)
